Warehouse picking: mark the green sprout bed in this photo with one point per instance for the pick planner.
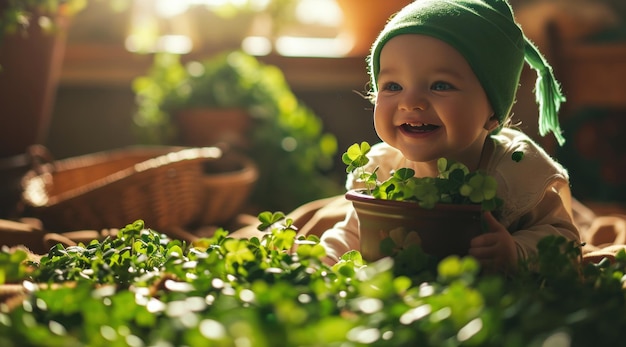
(143, 289)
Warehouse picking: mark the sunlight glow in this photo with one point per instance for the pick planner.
(322, 12)
(177, 44)
(257, 45)
(162, 25)
(169, 8)
(311, 47)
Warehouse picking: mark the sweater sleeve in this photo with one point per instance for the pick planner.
(341, 238)
(550, 216)
(536, 193)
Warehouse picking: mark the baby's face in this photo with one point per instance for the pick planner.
(430, 103)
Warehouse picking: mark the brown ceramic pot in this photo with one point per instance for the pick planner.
(443, 230)
(224, 128)
(30, 68)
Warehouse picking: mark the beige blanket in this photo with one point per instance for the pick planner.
(602, 227)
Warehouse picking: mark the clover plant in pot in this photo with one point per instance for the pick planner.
(439, 214)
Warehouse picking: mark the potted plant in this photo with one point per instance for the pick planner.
(254, 111)
(19, 15)
(203, 103)
(440, 214)
(32, 44)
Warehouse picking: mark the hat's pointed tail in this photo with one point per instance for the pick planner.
(547, 92)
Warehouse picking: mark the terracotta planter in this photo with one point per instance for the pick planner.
(364, 19)
(444, 230)
(200, 127)
(31, 67)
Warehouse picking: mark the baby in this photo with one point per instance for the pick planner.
(444, 74)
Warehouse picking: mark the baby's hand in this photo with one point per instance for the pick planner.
(495, 250)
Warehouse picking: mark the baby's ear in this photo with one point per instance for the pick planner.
(492, 123)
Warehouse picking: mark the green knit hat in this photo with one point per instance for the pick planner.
(486, 34)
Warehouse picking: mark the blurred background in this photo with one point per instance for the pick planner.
(320, 47)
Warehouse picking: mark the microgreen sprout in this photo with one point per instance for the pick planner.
(143, 289)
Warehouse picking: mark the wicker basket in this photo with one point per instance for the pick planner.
(111, 189)
(227, 183)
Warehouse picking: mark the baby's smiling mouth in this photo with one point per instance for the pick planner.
(418, 127)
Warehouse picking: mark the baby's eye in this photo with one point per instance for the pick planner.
(441, 86)
(392, 86)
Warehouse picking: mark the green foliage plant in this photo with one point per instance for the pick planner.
(17, 15)
(287, 139)
(144, 289)
(455, 184)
